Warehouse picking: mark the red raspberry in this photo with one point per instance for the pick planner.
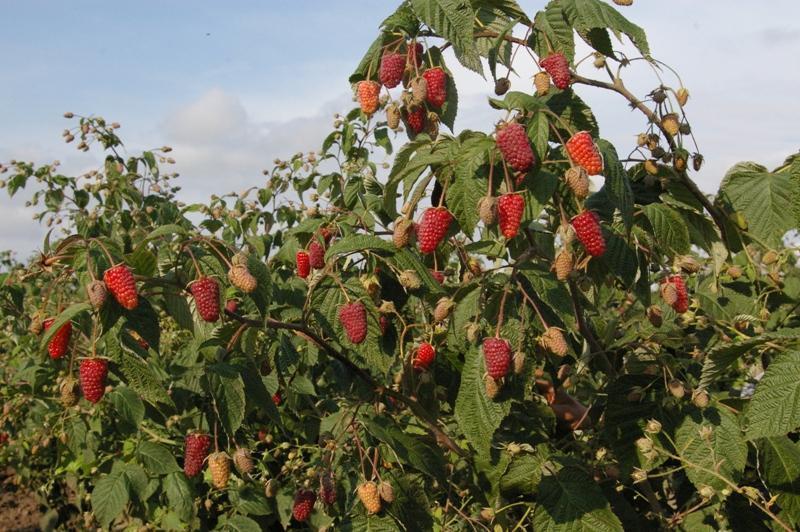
(509, 213)
(353, 317)
(415, 118)
(231, 305)
(303, 505)
(316, 255)
(206, 298)
(119, 281)
(277, 399)
(424, 357)
(587, 229)
(391, 71)
(437, 86)
(93, 373)
(384, 322)
(59, 342)
(438, 275)
(582, 150)
(195, 452)
(368, 92)
(414, 54)
(303, 264)
(497, 354)
(327, 488)
(512, 141)
(326, 235)
(432, 228)
(681, 304)
(558, 67)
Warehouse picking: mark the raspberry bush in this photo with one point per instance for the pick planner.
(417, 328)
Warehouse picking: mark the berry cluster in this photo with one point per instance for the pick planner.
(437, 86)
(368, 92)
(424, 357)
(303, 505)
(391, 70)
(303, 264)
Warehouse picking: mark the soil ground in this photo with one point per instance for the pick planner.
(19, 507)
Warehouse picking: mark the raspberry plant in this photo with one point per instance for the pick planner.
(477, 338)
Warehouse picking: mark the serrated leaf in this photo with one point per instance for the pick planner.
(781, 466)
(412, 450)
(523, 475)
(240, 523)
(669, 229)
(463, 195)
(139, 375)
(478, 417)
(454, 21)
(552, 33)
(228, 390)
(586, 15)
(774, 409)
(539, 134)
(711, 440)
(130, 409)
(179, 494)
(263, 293)
(110, 496)
(358, 244)
(157, 459)
(617, 185)
(178, 309)
(164, 230)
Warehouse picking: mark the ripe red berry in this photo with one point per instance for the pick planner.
(587, 229)
(316, 255)
(391, 71)
(415, 118)
(303, 264)
(681, 303)
(277, 399)
(326, 235)
(414, 54)
(119, 281)
(232, 305)
(327, 488)
(497, 354)
(437, 86)
(93, 373)
(303, 505)
(509, 213)
(438, 275)
(195, 452)
(59, 342)
(424, 357)
(206, 298)
(432, 228)
(582, 150)
(558, 67)
(513, 143)
(353, 317)
(384, 322)
(368, 93)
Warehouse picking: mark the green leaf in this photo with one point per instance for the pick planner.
(454, 21)
(411, 449)
(478, 417)
(138, 374)
(179, 494)
(539, 133)
(359, 244)
(774, 409)
(764, 199)
(523, 475)
(67, 315)
(227, 387)
(142, 261)
(669, 229)
(372, 58)
(781, 466)
(552, 32)
(571, 501)
(465, 191)
(178, 309)
(110, 496)
(587, 15)
(710, 440)
(405, 259)
(240, 523)
(130, 409)
(263, 293)
(157, 459)
(618, 185)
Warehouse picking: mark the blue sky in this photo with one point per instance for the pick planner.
(233, 85)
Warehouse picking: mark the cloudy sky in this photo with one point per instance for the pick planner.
(232, 85)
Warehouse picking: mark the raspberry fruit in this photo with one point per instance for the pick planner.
(558, 67)
(501, 86)
(587, 229)
(69, 392)
(316, 255)
(509, 213)
(386, 491)
(93, 373)
(195, 452)
(353, 317)
(303, 505)
(59, 342)
(403, 231)
(542, 83)
(97, 293)
(393, 116)
(219, 465)
(681, 303)
(437, 86)
(443, 309)
(512, 141)
(206, 298)
(415, 118)
(518, 362)
(487, 210)
(438, 276)
(553, 340)
(563, 265)
(582, 150)
(432, 228)
(119, 281)
(497, 354)
(327, 488)
(424, 357)
(409, 279)
(577, 181)
(384, 323)
(414, 54)
(492, 387)
(419, 91)
(242, 460)
(240, 277)
(231, 305)
(277, 399)
(391, 70)
(303, 264)
(369, 496)
(368, 92)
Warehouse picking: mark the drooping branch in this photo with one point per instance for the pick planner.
(378, 389)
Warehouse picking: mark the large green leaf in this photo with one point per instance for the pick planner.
(571, 501)
(358, 244)
(110, 496)
(552, 32)
(774, 409)
(179, 494)
(781, 466)
(138, 374)
(764, 199)
(477, 415)
(669, 229)
(454, 21)
(130, 409)
(618, 184)
(228, 390)
(588, 15)
(411, 449)
(711, 444)
(157, 459)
